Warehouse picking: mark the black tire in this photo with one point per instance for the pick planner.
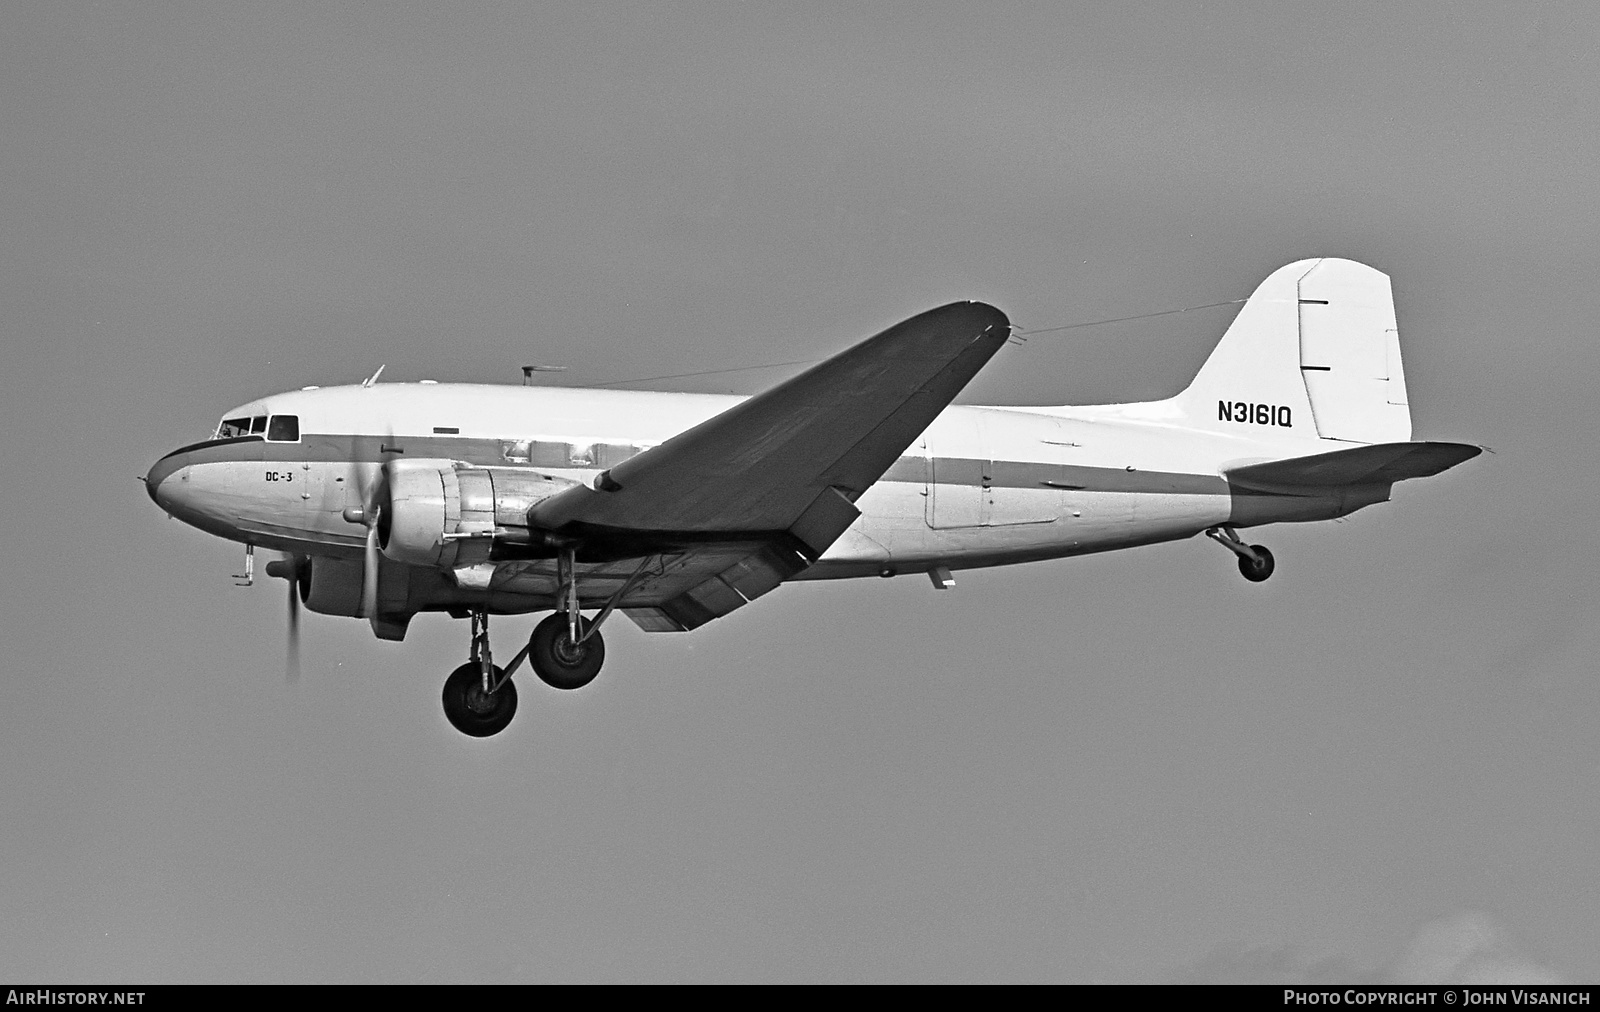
(470, 710)
(1256, 570)
(555, 659)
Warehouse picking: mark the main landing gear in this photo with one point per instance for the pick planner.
(1255, 561)
(479, 698)
(565, 651)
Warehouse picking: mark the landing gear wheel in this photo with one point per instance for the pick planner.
(559, 662)
(472, 711)
(1257, 569)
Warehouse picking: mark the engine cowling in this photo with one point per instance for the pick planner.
(439, 513)
(331, 586)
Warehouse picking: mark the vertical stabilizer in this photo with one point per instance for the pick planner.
(1315, 352)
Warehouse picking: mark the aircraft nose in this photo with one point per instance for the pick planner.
(193, 490)
(152, 484)
(162, 479)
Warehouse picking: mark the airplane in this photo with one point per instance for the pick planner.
(390, 499)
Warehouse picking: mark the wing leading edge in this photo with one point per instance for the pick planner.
(779, 472)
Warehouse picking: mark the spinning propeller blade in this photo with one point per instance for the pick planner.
(369, 570)
(292, 662)
(296, 571)
(372, 487)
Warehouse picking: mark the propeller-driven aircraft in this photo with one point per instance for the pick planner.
(674, 509)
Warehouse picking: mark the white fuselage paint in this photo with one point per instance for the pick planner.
(982, 486)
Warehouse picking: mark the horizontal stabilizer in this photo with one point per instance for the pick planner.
(1378, 464)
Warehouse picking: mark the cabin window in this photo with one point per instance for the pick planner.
(284, 429)
(612, 454)
(258, 425)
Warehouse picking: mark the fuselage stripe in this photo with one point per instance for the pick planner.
(955, 471)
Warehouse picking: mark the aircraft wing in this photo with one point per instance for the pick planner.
(781, 471)
(1377, 464)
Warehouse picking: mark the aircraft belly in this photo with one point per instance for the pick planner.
(1096, 517)
(1089, 521)
(1164, 516)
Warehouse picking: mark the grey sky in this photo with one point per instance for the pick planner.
(1126, 767)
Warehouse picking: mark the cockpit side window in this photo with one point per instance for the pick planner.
(284, 429)
(279, 428)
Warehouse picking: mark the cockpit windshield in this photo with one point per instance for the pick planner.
(232, 427)
(281, 428)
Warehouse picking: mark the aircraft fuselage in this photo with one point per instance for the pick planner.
(982, 486)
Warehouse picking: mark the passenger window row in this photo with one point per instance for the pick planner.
(546, 453)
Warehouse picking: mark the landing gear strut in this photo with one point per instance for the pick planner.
(566, 650)
(1255, 561)
(479, 698)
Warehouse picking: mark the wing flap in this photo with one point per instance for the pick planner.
(1378, 464)
(701, 584)
(653, 619)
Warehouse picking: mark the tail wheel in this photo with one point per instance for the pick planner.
(557, 660)
(1259, 568)
(474, 712)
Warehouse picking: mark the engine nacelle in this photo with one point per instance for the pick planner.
(332, 586)
(439, 513)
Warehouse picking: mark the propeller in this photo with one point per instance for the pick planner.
(296, 569)
(370, 513)
(291, 671)
(369, 567)
(372, 488)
